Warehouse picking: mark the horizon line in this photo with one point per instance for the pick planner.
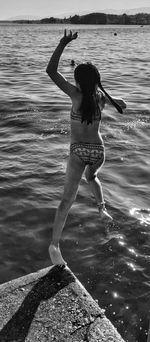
(38, 17)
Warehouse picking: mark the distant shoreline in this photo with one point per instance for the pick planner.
(90, 19)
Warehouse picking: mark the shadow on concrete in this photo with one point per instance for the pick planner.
(46, 287)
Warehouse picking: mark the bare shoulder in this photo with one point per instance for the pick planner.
(100, 94)
(61, 82)
(76, 99)
(101, 98)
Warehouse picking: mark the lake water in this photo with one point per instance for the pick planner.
(34, 146)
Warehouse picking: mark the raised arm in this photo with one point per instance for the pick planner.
(52, 68)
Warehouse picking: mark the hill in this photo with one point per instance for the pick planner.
(92, 19)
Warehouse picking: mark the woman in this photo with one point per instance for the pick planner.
(86, 150)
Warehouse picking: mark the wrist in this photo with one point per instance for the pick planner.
(62, 42)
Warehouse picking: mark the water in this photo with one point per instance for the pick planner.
(34, 144)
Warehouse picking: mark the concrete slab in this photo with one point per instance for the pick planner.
(52, 305)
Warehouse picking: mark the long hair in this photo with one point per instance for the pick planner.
(88, 77)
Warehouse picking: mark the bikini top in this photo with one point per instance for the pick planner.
(100, 103)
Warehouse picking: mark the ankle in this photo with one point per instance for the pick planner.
(103, 211)
(55, 244)
(101, 206)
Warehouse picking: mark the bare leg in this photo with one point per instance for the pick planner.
(96, 188)
(59, 222)
(74, 173)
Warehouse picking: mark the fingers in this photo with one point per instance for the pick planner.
(65, 33)
(70, 35)
(75, 35)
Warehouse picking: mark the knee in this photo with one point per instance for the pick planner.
(90, 176)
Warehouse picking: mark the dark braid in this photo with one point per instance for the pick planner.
(88, 77)
(85, 76)
(88, 105)
(114, 103)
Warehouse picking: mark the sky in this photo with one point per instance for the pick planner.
(48, 8)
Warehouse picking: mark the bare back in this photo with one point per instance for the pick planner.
(81, 132)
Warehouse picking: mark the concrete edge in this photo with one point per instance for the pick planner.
(11, 285)
(99, 326)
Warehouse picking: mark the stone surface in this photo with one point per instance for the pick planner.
(52, 305)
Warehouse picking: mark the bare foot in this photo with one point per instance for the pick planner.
(104, 215)
(55, 255)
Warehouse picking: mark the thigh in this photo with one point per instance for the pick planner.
(75, 169)
(92, 170)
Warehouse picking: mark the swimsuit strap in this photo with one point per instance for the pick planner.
(75, 116)
(100, 102)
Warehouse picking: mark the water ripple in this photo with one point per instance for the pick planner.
(112, 261)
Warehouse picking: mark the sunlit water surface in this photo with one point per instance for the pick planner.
(34, 145)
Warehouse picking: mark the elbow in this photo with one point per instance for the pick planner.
(124, 105)
(49, 71)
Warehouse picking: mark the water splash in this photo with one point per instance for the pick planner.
(142, 215)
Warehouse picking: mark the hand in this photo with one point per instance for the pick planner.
(67, 38)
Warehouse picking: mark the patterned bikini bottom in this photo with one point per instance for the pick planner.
(89, 153)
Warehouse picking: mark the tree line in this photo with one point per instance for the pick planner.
(95, 19)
